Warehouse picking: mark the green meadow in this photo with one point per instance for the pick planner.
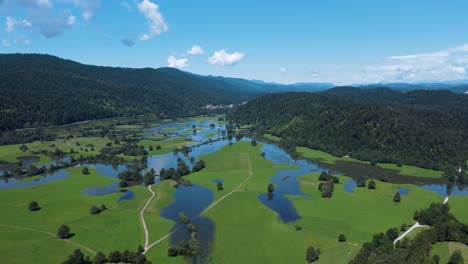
(445, 249)
(403, 170)
(85, 146)
(246, 231)
(166, 145)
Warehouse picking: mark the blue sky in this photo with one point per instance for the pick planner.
(342, 42)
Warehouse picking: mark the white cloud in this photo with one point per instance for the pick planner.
(283, 70)
(155, 19)
(6, 43)
(225, 59)
(177, 63)
(71, 20)
(87, 7)
(38, 3)
(195, 50)
(144, 37)
(444, 65)
(13, 24)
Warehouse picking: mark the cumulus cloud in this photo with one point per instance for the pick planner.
(225, 59)
(448, 64)
(173, 62)
(87, 7)
(195, 50)
(38, 3)
(6, 42)
(283, 70)
(12, 24)
(155, 19)
(128, 42)
(71, 20)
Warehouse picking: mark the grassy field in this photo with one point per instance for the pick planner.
(260, 237)
(166, 145)
(446, 249)
(81, 146)
(458, 207)
(404, 169)
(246, 230)
(360, 214)
(62, 202)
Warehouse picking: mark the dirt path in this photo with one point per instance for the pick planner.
(231, 192)
(209, 207)
(142, 217)
(415, 226)
(50, 234)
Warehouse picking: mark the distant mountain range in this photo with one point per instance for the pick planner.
(41, 90)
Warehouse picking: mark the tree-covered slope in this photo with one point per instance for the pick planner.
(42, 90)
(422, 128)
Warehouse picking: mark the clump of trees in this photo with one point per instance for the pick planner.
(456, 258)
(312, 254)
(199, 165)
(443, 227)
(97, 210)
(127, 257)
(191, 247)
(148, 178)
(372, 185)
(34, 206)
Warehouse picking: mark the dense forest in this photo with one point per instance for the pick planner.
(423, 128)
(42, 90)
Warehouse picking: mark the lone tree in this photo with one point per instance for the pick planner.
(371, 185)
(312, 254)
(271, 188)
(85, 170)
(342, 238)
(456, 258)
(158, 147)
(397, 197)
(94, 210)
(34, 206)
(219, 185)
(403, 227)
(253, 143)
(63, 232)
(141, 249)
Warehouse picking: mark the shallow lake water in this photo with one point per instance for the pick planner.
(9, 183)
(191, 201)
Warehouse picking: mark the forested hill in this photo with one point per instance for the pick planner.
(42, 90)
(422, 128)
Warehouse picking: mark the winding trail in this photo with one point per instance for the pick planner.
(415, 226)
(231, 192)
(209, 207)
(50, 234)
(142, 217)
